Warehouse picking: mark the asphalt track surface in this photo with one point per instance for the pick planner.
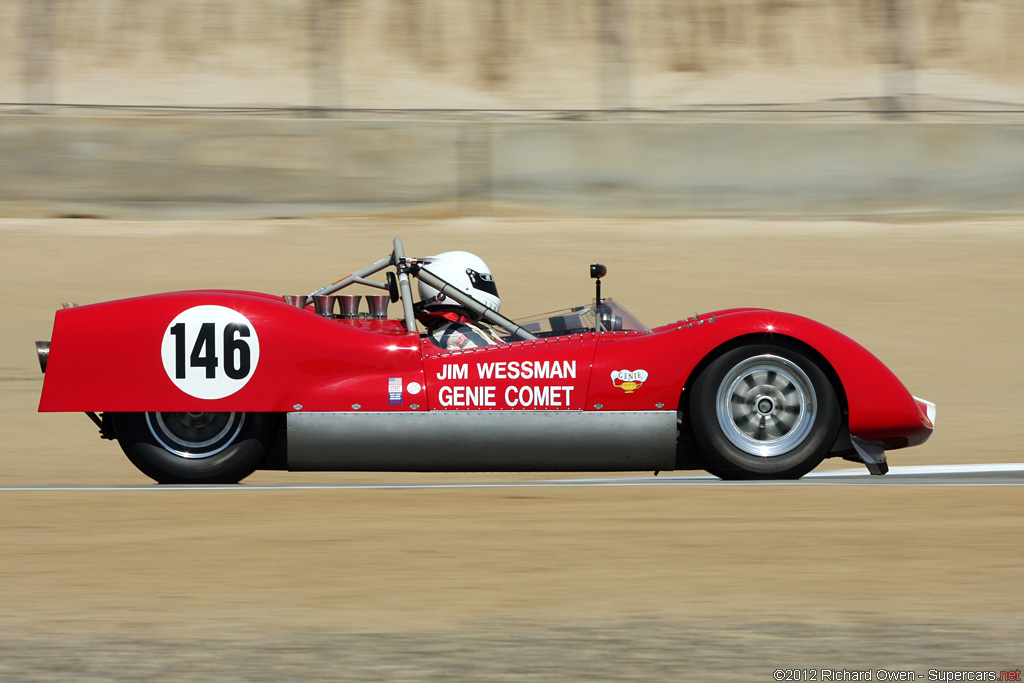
(1003, 474)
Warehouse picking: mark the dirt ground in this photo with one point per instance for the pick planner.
(525, 584)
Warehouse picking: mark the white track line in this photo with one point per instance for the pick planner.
(937, 475)
(994, 468)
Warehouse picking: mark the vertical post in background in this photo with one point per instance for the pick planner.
(495, 58)
(473, 170)
(899, 58)
(613, 45)
(37, 51)
(324, 24)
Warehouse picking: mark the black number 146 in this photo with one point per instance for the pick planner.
(204, 351)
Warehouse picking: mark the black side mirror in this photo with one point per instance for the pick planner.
(597, 271)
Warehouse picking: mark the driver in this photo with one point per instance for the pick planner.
(450, 325)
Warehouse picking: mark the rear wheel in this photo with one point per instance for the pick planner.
(764, 412)
(195, 447)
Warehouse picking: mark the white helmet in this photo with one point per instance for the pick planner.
(465, 271)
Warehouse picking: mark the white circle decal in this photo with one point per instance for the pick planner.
(413, 388)
(210, 351)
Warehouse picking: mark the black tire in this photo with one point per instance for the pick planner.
(195, 448)
(764, 411)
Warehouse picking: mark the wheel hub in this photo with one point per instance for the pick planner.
(765, 405)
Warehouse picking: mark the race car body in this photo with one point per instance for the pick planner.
(207, 386)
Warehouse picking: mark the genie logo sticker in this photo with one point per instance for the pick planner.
(629, 380)
(210, 352)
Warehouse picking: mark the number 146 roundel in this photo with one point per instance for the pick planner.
(210, 352)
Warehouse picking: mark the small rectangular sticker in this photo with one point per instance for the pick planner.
(395, 391)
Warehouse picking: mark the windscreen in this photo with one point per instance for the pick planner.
(608, 316)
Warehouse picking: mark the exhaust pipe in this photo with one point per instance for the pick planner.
(43, 353)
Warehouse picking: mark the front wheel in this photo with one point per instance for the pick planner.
(197, 447)
(764, 412)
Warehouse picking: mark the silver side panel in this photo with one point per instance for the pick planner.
(484, 441)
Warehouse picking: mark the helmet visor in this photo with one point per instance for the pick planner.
(482, 281)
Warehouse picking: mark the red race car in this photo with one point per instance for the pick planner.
(207, 386)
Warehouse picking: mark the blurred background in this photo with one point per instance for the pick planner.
(860, 162)
(516, 56)
(202, 108)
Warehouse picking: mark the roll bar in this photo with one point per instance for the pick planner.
(415, 267)
(400, 263)
(357, 277)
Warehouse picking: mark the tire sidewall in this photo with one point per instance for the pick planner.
(725, 459)
(229, 465)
